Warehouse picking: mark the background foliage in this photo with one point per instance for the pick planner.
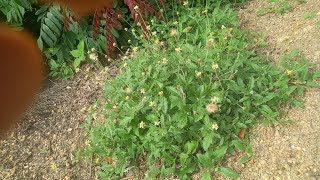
(59, 32)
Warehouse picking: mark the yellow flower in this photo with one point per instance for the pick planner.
(223, 27)
(152, 104)
(215, 99)
(215, 126)
(205, 11)
(157, 123)
(93, 49)
(135, 49)
(141, 125)
(185, 3)
(176, 23)
(212, 108)
(164, 60)
(198, 74)
(288, 72)
(94, 115)
(215, 66)
(160, 93)
(127, 98)
(136, 8)
(53, 166)
(87, 143)
(178, 49)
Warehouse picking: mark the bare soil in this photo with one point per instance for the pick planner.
(45, 142)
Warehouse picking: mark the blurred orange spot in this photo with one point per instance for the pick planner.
(20, 74)
(82, 7)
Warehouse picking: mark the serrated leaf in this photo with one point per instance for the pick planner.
(206, 175)
(244, 159)
(191, 146)
(229, 173)
(206, 142)
(205, 160)
(238, 145)
(219, 153)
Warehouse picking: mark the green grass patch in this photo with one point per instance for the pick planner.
(184, 98)
(310, 15)
(279, 6)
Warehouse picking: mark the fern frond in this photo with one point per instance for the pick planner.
(13, 11)
(51, 26)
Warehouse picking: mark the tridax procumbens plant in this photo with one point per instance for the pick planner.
(182, 98)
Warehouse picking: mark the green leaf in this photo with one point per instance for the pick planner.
(206, 142)
(206, 175)
(238, 144)
(40, 43)
(81, 47)
(313, 84)
(244, 159)
(183, 157)
(46, 30)
(152, 117)
(47, 39)
(229, 173)
(75, 53)
(76, 63)
(41, 10)
(153, 171)
(219, 153)
(191, 146)
(115, 33)
(205, 160)
(52, 26)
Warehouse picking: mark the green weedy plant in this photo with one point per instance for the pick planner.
(181, 99)
(279, 7)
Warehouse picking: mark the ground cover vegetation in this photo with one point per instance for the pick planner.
(188, 92)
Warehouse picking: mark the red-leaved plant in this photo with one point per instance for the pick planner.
(139, 10)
